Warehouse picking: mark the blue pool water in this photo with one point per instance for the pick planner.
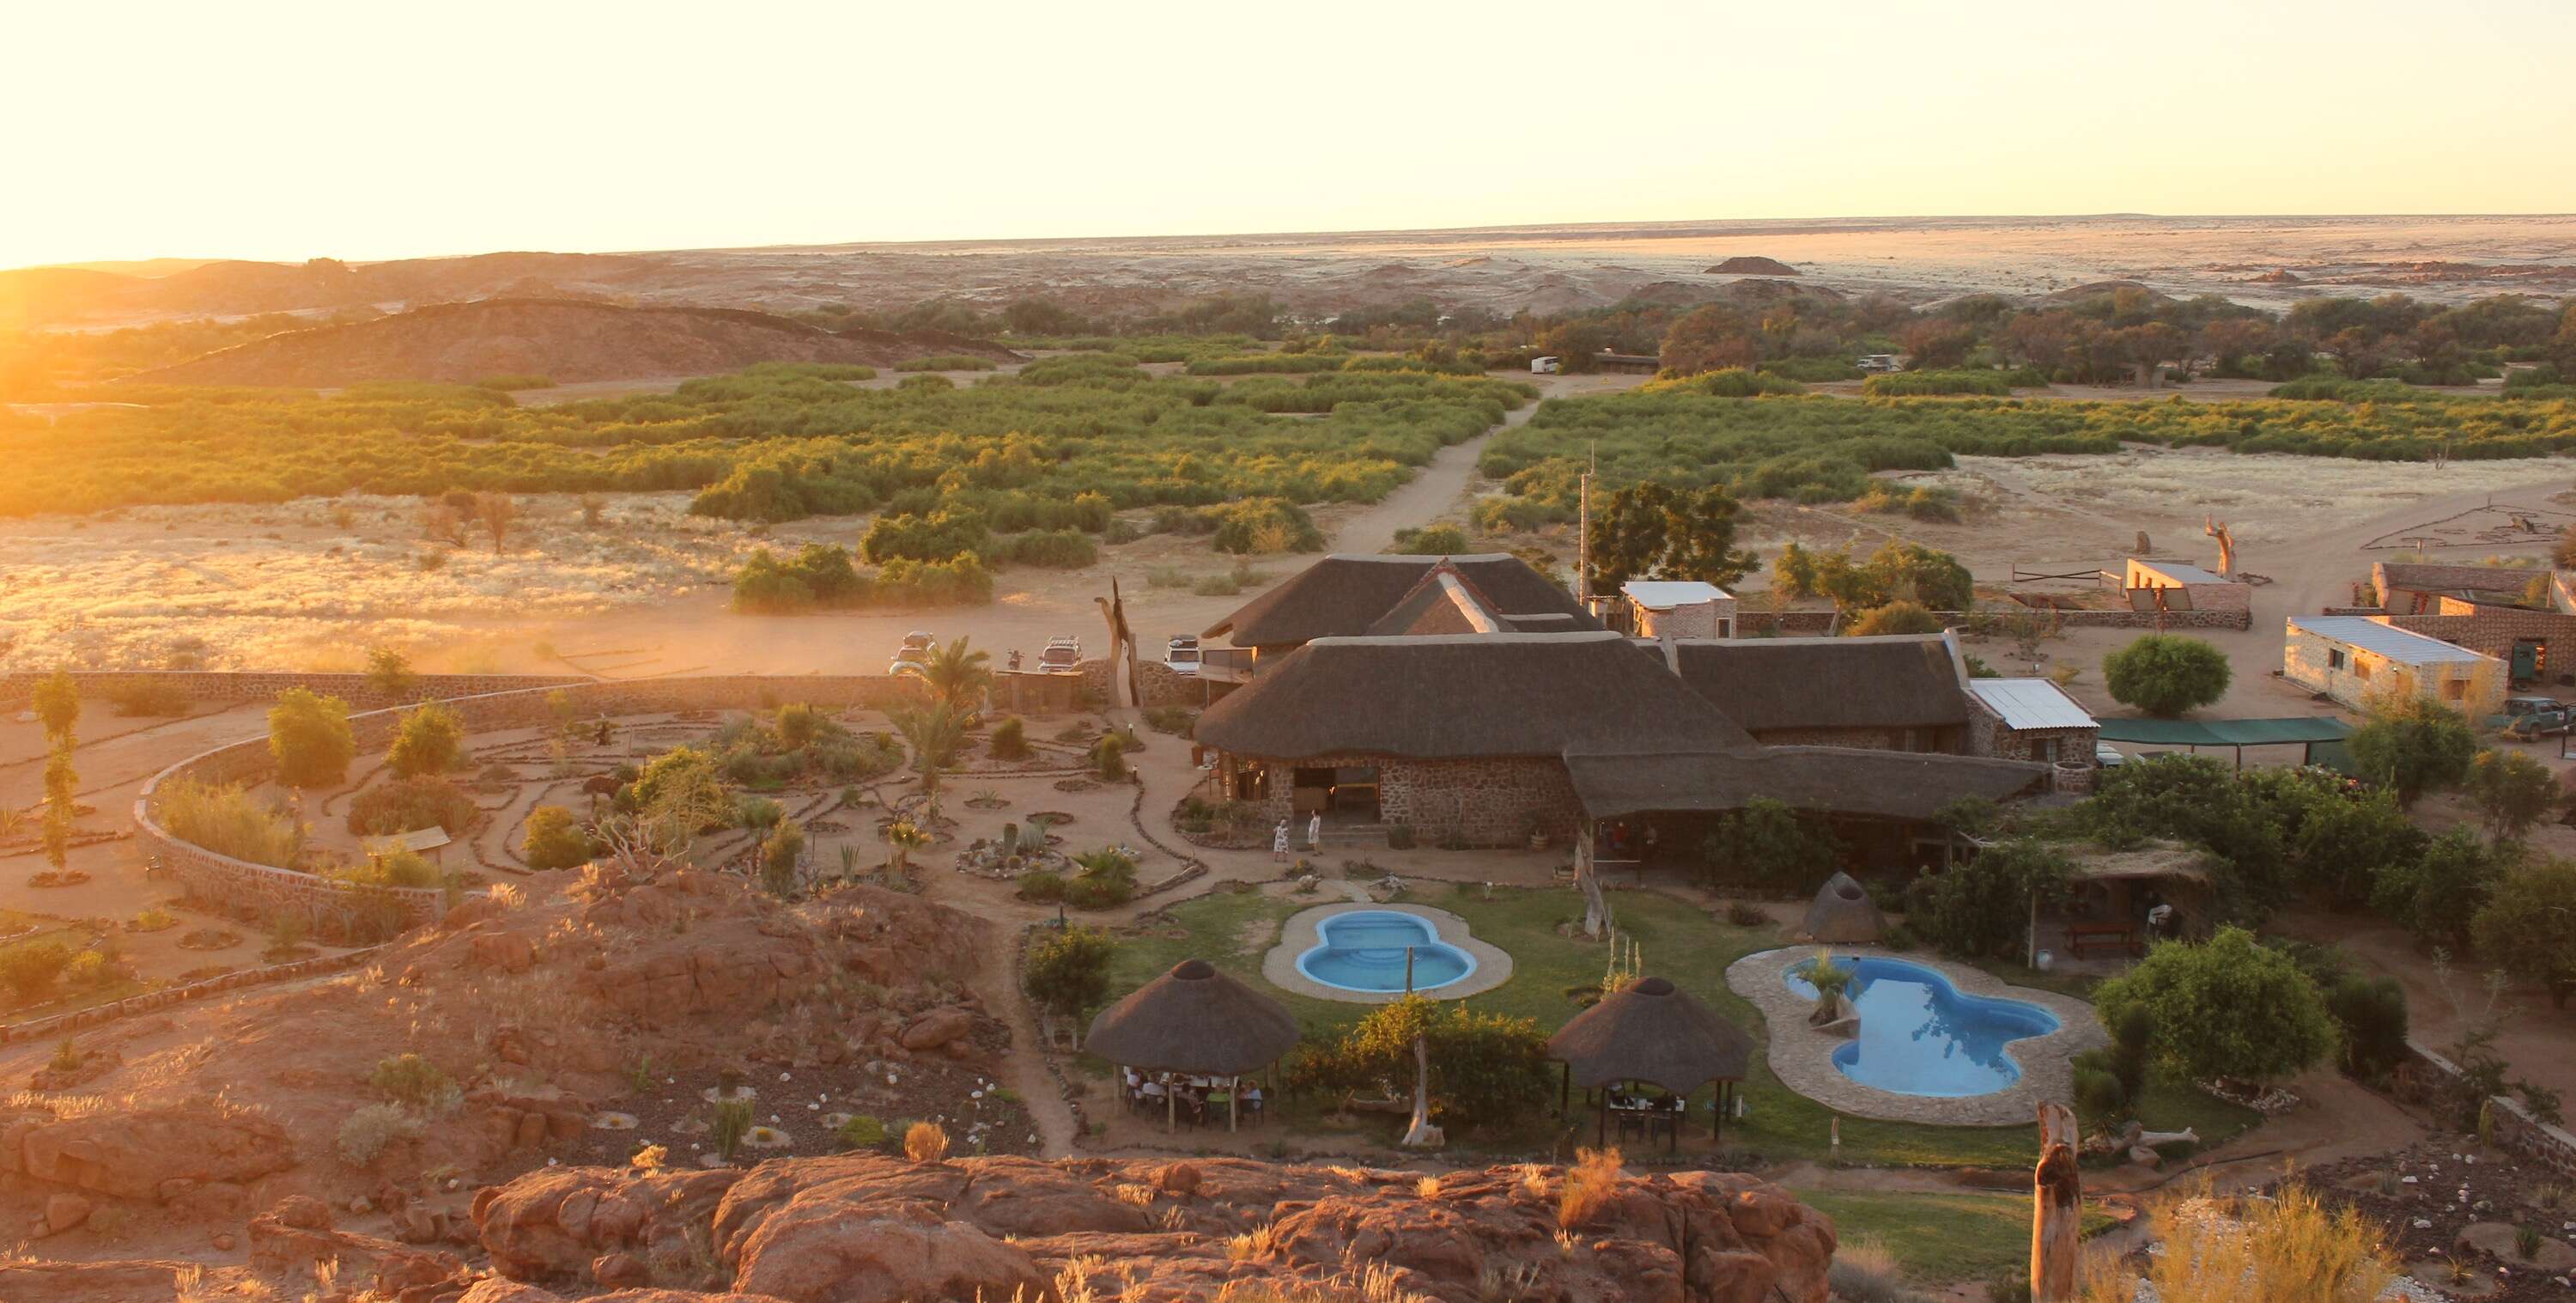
(1919, 1035)
(1363, 950)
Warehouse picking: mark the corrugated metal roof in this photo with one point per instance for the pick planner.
(2030, 703)
(2399, 645)
(1665, 594)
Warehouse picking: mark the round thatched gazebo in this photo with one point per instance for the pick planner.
(1655, 1033)
(1194, 1020)
(1844, 914)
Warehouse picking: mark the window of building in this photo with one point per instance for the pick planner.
(2044, 750)
(2455, 689)
(2336, 660)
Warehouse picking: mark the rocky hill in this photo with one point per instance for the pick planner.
(512, 1107)
(1743, 265)
(566, 340)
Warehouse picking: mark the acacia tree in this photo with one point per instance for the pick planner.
(1654, 531)
(496, 513)
(2414, 745)
(2511, 790)
(2228, 1007)
(2530, 922)
(2164, 674)
(1067, 972)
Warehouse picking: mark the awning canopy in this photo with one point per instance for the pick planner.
(2292, 731)
(1842, 780)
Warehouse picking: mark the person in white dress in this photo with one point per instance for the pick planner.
(1315, 832)
(1279, 843)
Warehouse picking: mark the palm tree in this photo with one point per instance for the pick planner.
(934, 734)
(958, 674)
(905, 838)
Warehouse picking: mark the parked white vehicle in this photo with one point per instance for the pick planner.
(913, 654)
(1063, 655)
(1182, 655)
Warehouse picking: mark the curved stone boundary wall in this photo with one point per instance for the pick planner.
(64, 1024)
(264, 892)
(264, 685)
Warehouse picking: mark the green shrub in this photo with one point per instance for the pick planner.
(1010, 740)
(2166, 674)
(2225, 1008)
(509, 384)
(228, 821)
(30, 968)
(411, 1080)
(2414, 745)
(1430, 540)
(406, 804)
(947, 362)
(1921, 383)
(370, 1128)
(310, 739)
(862, 1132)
(1177, 720)
(430, 740)
(1981, 909)
(1055, 549)
(149, 697)
(2370, 1014)
(552, 840)
(1042, 886)
(1487, 1070)
(1109, 756)
(1265, 527)
(1067, 970)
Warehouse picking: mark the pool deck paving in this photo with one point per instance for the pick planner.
(1802, 1057)
(1302, 932)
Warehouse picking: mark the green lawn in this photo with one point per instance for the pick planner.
(1680, 942)
(1940, 1238)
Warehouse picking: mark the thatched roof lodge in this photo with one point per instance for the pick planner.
(1654, 1033)
(1447, 695)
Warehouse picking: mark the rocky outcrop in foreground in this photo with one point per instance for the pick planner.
(868, 1229)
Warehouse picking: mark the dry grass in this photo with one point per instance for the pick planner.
(2220, 1249)
(925, 1142)
(1259, 1242)
(1866, 1271)
(1587, 1187)
(1427, 1188)
(1132, 1194)
(1373, 1282)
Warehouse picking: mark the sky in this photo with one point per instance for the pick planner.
(288, 131)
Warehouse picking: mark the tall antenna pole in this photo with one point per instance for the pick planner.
(1583, 536)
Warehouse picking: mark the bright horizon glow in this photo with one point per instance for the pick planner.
(366, 133)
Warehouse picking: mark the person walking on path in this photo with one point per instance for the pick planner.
(1315, 833)
(1279, 843)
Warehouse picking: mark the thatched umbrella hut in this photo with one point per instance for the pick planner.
(1844, 914)
(1655, 1033)
(1194, 1020)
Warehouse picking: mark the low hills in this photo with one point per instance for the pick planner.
(566, 340)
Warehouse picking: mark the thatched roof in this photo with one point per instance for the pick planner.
(1466, 695)
(1443, 601)
(1841, 780)
(1345, 596)
(1843, 914)
(1193, 1019)
(1655, 1033)
(1908, 681)
(2158, 858)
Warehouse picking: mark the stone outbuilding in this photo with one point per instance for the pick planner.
(1678, 608)
(2185, 587)
(2352, 659)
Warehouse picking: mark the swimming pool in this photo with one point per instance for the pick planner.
(1363, 950)
(1919, 1035)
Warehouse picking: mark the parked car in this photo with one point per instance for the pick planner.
(2516, 706)
(1063, 655)
(1182, 654)
(2540, 723)
(914, 654)
(2104, 757)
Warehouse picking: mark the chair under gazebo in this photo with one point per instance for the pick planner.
(1653, 1033)
(1843, 914)
(1194, 1021)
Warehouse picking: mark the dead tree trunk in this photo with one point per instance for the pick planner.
(2057, 1209)
(1422, 1135)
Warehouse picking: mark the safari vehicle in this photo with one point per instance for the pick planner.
(1063, 655)
(2540, 723)
(914, 654)
(1182, 655)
